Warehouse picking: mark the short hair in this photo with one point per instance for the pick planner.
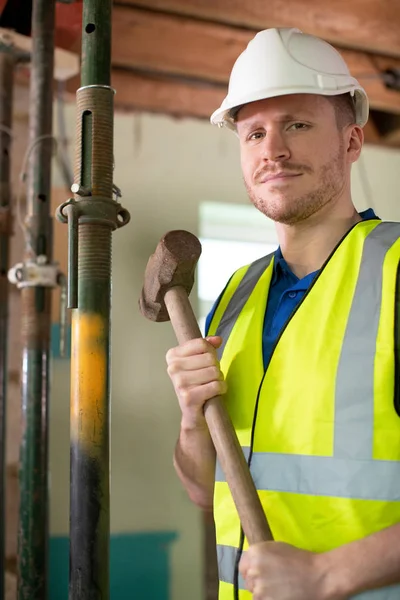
(343, 104)
(345, 109)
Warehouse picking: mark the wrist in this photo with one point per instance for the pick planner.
(333, 579)
(193, 422)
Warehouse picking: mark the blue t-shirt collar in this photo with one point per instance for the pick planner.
(282, 269)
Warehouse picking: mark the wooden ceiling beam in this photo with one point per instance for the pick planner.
(162, 95)
(144, 92)
(174, 44)
(370, 25)
(141, 92)
(197, 50)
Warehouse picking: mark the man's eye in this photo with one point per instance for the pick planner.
(257, 135)
(298, 126)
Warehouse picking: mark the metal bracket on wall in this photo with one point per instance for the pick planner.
(39, 273)
(35, 272)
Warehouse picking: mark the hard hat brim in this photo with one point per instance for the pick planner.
(222, 116)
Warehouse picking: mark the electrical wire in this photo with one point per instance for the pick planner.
(22, 181)
(60, 151)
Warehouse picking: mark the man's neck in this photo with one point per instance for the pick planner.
(307, 245)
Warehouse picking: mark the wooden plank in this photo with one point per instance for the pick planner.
(185, 47)
(162, 95)
(140, 92)
(137, 91)
(175, 45)
(368, 69)
(147, 93)
(144, 92)
(371, 25)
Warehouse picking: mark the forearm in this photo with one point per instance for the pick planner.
(369, 563)
(194, 462)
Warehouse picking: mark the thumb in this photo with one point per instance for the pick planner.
(215, 340)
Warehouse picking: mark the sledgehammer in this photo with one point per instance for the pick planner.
(168, 281)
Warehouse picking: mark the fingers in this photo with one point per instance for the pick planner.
(247, 572)
(196, 375)
(196, 396)
(199, 376)
(184, 363)
(176, 364)
(195, 347)
(214, 340)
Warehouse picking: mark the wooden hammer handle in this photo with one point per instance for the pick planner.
(229, 452)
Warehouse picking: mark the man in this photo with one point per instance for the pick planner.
(302, 344)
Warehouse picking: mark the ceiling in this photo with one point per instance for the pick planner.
(175, 56)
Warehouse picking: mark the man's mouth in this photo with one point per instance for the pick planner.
(278, 177)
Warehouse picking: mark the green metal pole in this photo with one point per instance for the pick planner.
(96, 43)
(7, 62)
(92, 216)
(90, 400)
(36, 317)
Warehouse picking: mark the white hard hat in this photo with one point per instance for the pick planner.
(285, 61)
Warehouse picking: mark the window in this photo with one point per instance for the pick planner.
(231, 236)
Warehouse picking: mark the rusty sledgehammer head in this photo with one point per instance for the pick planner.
(172, 264)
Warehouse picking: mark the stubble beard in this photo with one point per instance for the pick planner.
(290, 210)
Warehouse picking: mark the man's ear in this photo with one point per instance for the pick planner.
(355, 137)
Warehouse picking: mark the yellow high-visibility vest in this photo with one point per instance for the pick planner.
(319, 427)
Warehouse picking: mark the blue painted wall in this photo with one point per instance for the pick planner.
(139, 566)
(55, 341)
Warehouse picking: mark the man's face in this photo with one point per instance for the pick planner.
(293, 156)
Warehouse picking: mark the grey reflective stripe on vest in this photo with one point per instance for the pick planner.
(325, 476)
(226, 568)
(354, 402)
(226, 556)
(239, 299)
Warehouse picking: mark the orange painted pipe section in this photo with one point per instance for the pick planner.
(89, 421)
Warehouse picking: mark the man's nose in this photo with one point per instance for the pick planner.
(274, 147)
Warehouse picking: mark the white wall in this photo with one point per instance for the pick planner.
(165, 169)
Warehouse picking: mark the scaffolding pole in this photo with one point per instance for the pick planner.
(7, 63)
(36, 276)
(92, 215)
